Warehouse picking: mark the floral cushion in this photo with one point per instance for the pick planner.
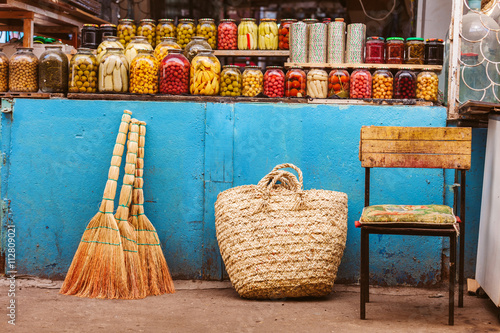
(434, 214)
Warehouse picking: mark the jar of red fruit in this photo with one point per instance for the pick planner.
(338, 83)
(375, 48)
(174, 73)
(405, 83)
(227, 35)
(361, 83)
(284, 33)
(395, 50)
(274, 82)
(295, 82)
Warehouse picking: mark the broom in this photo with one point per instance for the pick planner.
(98, 269)
(153, 262)
(135, 280)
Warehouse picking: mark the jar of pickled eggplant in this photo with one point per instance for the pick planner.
(113, 72)
(382, 84)
(205, 74)
(90, 36)
(4, 72)
(136, 44)
(206, 28)
(253, 81)
(167, 44)
(427, 86)
(126, 30)
(274, 81)
(109, 41)
(230, 81)
(338, 83)
(53, 70)
(268, 34)
(147, 28)
(23, 71)
(361, 83)
(106, 30)
(165, 28)
(404, 84)
(414, 51)
(227, 35)
(185, 31)
(284, 33)
(395, 50)
(295, 82)
(174, 73)
(195, 45)
(83, 72)
(434, 51)
(247, 34)
(374, 50)
(144, 73)
(317, 83)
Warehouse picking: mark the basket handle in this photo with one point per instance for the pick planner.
(291, 166)
(288, 180)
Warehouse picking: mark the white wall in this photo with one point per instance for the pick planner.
(434, 18)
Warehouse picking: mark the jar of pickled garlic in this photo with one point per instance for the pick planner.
(284, 33)
(317, 83)
(404, 84)
(427, 86)
(165, 28)
(230, 81)
(109, 41)
(374, 50)
(83, 72)
(144, 73)
(185, 31)
(174, 73)
(253, 81)
(247, 34)
(338, 83)
(205, 74)
(206, 28)
(395, 50)
(195, 45)
(53, 70)
(227, 35)
(414, 51)
(295, 82)
(136, 44)
(382, 84)
(4, 72)
(23, 71)
(268, 34)
(147, 28)
(274, 81)
(361, 83)
(167, 44)
(113, 72)
(126, 30)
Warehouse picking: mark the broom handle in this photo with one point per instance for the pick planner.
(107, 204)
(138, 194)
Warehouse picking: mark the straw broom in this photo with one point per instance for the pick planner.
(153, 262)
(98, 269)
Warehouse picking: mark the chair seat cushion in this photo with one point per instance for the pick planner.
(424, 214)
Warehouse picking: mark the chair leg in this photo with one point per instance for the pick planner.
(364, 272)
(453, 273)
(461, 267)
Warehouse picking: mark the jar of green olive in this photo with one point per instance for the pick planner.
(206, 28)
(83, 72)
(126, 30)
(165, 28)
(147, 28)
(230, 81)
(185, 32)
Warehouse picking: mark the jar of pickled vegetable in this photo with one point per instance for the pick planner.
(317, 83)
(227, 35)
(174, 73)
(185, 31)
(195, 45)
(113, 72)
(206, 28)
(434, 51)
(90, 36)
(147, 28)
(53, 70)
(374, 50)
(126, 30)
(361, 83)
(106, 30)
(247, 34)
(404, 84)
(4, 72)
(109, 41)
(395, 50)
(268, 34)
(167, 44)
(274, 82)
(23, 71)
(295, 82)
(414, 51)
(382, 84)
(165, 28)
(427, 86)
(230, 81)
(284, 33)
(253, 81)
(136, 44)
(205, 74)
(338, 83)
(83, 72)
(144, 73)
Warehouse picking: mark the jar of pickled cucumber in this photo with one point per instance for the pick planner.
(317, 83)
(206, 28)
(274, 81)
(382, 84)
(338, 83)
(227, 35)
(247, 34)
(144, 73)
(284, 33)
(268, 34)
(23, 71)
(230, 81)
(185, 31)
(109, 41)
(136, 44)
(174, 73)
(253, 81)
(147, 28)
(405, 83)
(4, 72)
(427, 86)
(414, 51)
(196, 44)
(83, 72)
(167, 44)
(165, 28)
(295, 82)
(126, 30)
(361, 83)
(113, 72)
(205, 74)
(53, 70)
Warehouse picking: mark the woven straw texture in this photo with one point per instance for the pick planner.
(278, 240)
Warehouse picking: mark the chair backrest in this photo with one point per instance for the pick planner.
(415, 147)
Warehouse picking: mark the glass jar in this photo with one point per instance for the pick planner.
(185, 31)
(174, 73)
(247, 34)
(253, 81)
(136, 44)
(113, 72)
(374, 50)
(126, 30)
(90, 36)
(382, 84)
(205, 74)
(167, 44)
(326, 20)
(361, 83)
(317, 83)
(165, 28)
(23, 71)
(338, 83)
(394, 50)
(434, 51)
(295, 82)
(53, 70)
(274, 81)
(106, 30)
(284, 33)
(230, 81)
(474, 84)
(206, 28)
(196, 44)
(427, 86)
(4, 72)
(83, 72)
(109, 41)
(147, 28)
(227, 35)
(268, 34)
(144, 73)
(414, 51)
(404, 84)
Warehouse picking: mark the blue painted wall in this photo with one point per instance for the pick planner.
(58, 154)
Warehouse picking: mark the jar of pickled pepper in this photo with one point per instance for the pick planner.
(194, 46)
(144, 73)
(253, 81)
(53, 70)
(284, 33)
(83, 72)
(338, 83)
(427, 85)
(231, 81)
(23, 71)
(395, 50)
(109, 41)
(113, 72)
(167, 44)
(382, 84)
(374, 50)
(227, 35)
(295, 82)
(247, 34)
(274, 81)
(165, 28)
(317, 83)
(185, 32)
(136, 44)
(126, 30)
(361, 83)
(205, 74)
(206, 28)
(174, 73)
(404, 84)
(147, 28)
(434, 51)
(414, 51)
(268, 34)
(4, 72)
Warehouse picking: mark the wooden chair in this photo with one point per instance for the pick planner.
(415, 147)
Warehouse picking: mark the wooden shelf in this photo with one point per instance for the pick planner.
(251, 53)
(434, 68)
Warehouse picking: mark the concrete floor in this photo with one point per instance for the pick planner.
(215, 307)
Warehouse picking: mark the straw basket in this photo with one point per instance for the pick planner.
(278, 240)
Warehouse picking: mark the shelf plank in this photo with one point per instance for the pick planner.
(436, 68)
(251, 53)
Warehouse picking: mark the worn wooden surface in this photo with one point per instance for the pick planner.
(29, 95)
(415, 133)
(418, 147)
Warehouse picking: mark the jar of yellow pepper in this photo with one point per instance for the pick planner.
(167, 44)
(253, 81)
(205, 74)
(165, 28)
(144, 73)
(185, 31)
(147, 28)
(126, 30)
(206, 28)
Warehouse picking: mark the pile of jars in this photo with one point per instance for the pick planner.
(395, 50)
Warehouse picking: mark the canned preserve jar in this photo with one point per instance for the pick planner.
(195, 45)
(137, 44)
(247, 34)
(107, 30)
(53, 70)
(284, 33)
(231, 81)
(317, 83)
(185, 32)
(414, 51)
(395, 50)
(174, 73)
(205, 74)
(144, 73)
(108, 41)
(4, 72)
(268, 34)
(83, 72)
(206, 28)
(23, 71)
(427, 86)
(434, 51)
(227, 35)
(113, 72)
(167, 44)
(382, 84)
(295, 82)
(125, 31)
(253, 81)
(274, 81)
(338, 83)
(404, 84)
(361, 83)
(374, 50)
(90, 36)
(165, 28)
(147, 28)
